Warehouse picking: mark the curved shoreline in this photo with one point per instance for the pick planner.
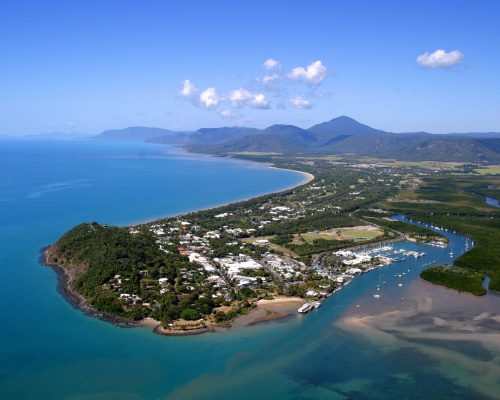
(260, 315)
(308, 177)
(77, 301)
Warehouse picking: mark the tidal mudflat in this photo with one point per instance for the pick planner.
(459, 331)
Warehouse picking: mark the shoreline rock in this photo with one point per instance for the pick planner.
(77, 301)
(159, 330)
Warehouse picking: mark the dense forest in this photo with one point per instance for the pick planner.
(461, 279)
(457, 206)
(107, 251)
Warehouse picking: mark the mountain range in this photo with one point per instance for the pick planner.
(341, 135)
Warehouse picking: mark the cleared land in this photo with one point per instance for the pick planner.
(355, 233)
(276, 247)
(488, 170)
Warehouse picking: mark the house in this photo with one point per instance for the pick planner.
(163, 281)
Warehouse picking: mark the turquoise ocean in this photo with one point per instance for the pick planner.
(49, 350)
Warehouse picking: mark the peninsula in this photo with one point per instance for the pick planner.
(264, 257)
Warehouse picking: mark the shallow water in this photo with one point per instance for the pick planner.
(48, 350)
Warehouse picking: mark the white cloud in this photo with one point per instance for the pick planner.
(227, 114)
(209, 98)
(240, 96)
(299, 102)
(313, 74)
(259, 101)
(269, 80)
(188, 89)
(271, 63)
(229, 104)
(440, 59)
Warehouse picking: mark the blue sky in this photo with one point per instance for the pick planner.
(91, 65)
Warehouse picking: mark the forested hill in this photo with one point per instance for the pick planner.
(344, 135)
(341, 135)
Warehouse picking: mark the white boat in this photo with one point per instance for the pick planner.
(305, 308)
(316, 304)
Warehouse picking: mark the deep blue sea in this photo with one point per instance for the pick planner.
(48, 350)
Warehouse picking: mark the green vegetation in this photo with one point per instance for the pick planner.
(488, 170)
(326, 203)
(460, 208)
(113, 261)
(144, 271)
(360, 234)
(269, 245)
(343, 135)
(414, 231)
(461, 279)
(311, 237)
(355, 233)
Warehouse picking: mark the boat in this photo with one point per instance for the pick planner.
(305, 308)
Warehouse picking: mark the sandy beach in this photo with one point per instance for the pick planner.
(265, 311)
(307, 177)
(269, 310)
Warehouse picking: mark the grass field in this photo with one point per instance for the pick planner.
(355, 233)
(274, 246)
(488, 170)
(361, 234)
(311, 237)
